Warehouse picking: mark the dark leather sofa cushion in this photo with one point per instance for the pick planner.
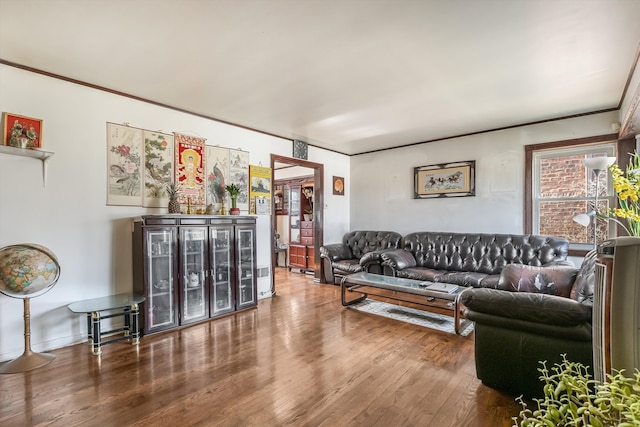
(555, 280)
(578, 332)
(585, 281)
(346, 266)
(537, 308)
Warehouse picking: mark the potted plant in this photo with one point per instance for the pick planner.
(233, 191)
(573, 398)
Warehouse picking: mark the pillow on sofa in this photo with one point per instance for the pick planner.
(556, 280)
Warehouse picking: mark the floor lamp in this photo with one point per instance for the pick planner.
(597, 165)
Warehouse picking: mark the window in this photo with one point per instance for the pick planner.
(562, 187)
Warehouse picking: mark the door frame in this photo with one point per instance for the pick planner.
(318, 214)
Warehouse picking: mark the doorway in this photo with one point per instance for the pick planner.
(279, 162)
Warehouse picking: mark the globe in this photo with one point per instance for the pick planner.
(27, 270)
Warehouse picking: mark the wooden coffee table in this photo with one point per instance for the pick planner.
(429, 294)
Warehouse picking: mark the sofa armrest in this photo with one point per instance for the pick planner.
(398, 259)
(530, 307)
(335, 252)
(373, 257)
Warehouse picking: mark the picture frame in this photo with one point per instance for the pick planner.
(22, 131)
(457, 179)
(260, 190)
(338, 186)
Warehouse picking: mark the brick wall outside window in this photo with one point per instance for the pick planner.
(566, 176)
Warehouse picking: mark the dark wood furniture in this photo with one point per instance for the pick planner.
(301, 228)
(428, 294)
(125, 305)
(193, 267)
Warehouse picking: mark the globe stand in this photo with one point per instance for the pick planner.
(28, 360)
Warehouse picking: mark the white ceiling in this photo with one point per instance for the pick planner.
(348, 75)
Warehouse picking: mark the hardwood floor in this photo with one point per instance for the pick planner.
(300, 359)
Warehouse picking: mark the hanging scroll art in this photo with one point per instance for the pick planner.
(239, 175)
(124, 153)
(158, 168)
(189, 169)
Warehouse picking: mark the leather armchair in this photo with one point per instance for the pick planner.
(359, 251)
(514, 331)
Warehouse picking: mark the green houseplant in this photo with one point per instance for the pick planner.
(573, 398)
(234, 192)
(627, 187)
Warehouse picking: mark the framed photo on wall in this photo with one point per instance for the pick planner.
(338, 186)
(22, 132)
(445, 180)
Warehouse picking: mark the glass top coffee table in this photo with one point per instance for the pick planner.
(444, 296)
(125, 305)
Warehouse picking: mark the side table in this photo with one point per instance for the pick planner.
(125, 305)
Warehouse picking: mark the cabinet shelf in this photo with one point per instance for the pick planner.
(41, 155)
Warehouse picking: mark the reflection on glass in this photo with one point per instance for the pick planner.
(246, 267)
(160, 275)
(193, 266)
(222, 297)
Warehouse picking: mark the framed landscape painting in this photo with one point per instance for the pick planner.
(445, 180)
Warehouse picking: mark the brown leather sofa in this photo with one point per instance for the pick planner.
(472, 260)
(359, 251)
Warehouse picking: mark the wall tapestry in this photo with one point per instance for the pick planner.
(158, 168)
(217, 172)
(445, 180)
(260, 191)
(189, 169)
(239, 175)
(124, 151)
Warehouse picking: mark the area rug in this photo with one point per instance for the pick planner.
(411, 315)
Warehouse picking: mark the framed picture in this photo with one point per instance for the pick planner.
(445, 180)
(338, 186)
(22, 132)
(260, 190)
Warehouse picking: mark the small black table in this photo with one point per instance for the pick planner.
(125, 305)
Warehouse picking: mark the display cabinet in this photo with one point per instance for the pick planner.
(193, 267)
(301, 230)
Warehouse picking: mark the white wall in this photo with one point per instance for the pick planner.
(382, 182)
(70, 216)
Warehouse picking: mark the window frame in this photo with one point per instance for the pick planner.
(621, 146)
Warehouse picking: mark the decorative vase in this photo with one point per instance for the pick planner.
(307, 217)
(234, 209)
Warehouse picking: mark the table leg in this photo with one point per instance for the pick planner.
(134, 329)
(95, 345)
(343, 287)
(89, 330)
(127, 321)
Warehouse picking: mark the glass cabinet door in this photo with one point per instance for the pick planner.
(245, 242)
(294, 213)
(193, 248)
(222, 300)
(161, 291)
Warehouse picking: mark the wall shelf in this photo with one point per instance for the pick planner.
(41, 155)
